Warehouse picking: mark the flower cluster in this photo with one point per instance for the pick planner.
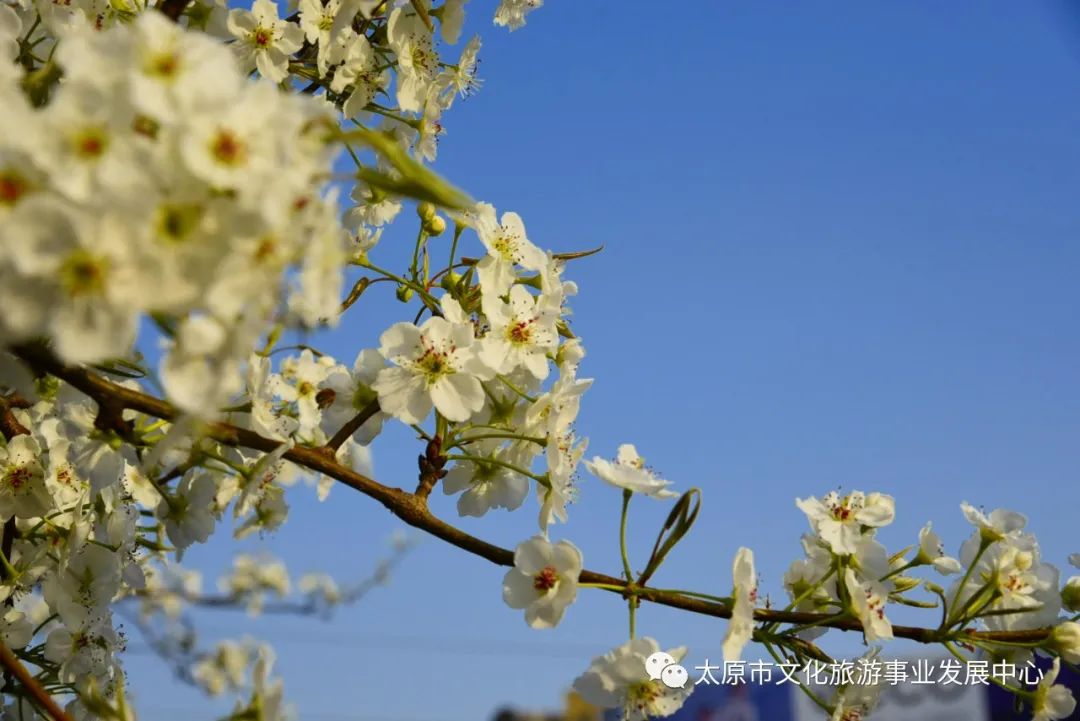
(174, 224)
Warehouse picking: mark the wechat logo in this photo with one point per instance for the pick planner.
(661, 666)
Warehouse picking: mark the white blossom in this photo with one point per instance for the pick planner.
(543, 581)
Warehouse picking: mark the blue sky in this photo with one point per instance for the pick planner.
(840, 250)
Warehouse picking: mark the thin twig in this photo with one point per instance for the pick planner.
(14, 666)
(353, 425)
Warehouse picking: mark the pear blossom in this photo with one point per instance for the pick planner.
(418, 63)
(741, 625)
(1052, 701)
(299, 382)
(522, 334)
(932, 551)
(23, 492)
(222, 670)
(83, 651)
(868, 599)
(351, 391)
(486, 485)
(461, 79)
(999, 524)
(71, 277)
(1012, 567)
(189, 513)
(451, 16)
(856, 701)
(16, 630)
(630, 473)
(543, 581)
(264, 40)
(619, 679)
(323, 29)
(563, 458)
(840, 520)
(507, 246)
(174, 72)
(359, 70)
(511, 13)
(435, 364)
(261, 386)
(804, 585)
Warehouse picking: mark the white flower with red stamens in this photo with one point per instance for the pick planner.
(23, 492)
(543, 581)
(522, 334)
(840, 520)
(868, 600)
(507, 246)
(264, 40)
(435, 364)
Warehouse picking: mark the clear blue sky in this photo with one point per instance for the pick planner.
(841, 249)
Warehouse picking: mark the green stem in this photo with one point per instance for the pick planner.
(481, 460)
(507, 436)
(627, 495)
(983, 545)
(517, 390)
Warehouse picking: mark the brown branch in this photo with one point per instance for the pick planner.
(14, 666)
(173, 9)
(9, 424)
(353, 425)
(413, 510)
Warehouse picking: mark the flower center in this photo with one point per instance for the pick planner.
(83, 274)
(227, 148)
(13, 186)
(175, 222)
(642, 695)
(163, 65)
(546, 580)
(90, 143)
(506, 245)
(843, 510)
(17, 476)
(262, 37)
(520, 333)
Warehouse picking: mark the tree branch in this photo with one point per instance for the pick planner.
(353, 425)
(413, 510)
(173, 9)
(42, 697)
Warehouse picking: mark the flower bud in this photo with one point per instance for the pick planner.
(435, 226)
(426, 211)
(1065, 640)
(933, 587)
(1070, 595)
(450, 281)
(404, 293)
(904, 583)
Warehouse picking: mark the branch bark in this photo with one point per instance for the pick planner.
(412, 509)
(44, 700)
